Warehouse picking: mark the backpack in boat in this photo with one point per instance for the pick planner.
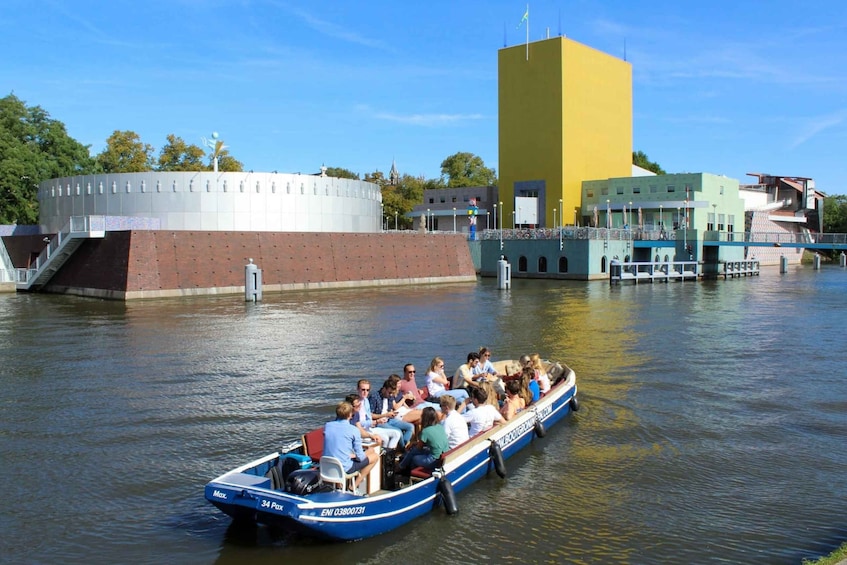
(389, 457)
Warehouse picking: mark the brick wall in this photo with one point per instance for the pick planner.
(137, 264)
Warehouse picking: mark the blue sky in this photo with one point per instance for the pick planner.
(724, 87)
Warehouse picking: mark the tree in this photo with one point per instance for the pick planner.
(835, 214)
(340, 173)
(125, 153)
(640, 159)
(466, 169)
(401, 198)
(177, 155)
(33, 148)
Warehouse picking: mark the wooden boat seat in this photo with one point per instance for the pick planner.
(313, 444)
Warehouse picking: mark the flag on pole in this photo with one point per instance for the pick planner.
(525, 18)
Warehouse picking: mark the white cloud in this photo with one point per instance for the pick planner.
(818, 125)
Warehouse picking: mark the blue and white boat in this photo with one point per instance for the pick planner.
(302, 502)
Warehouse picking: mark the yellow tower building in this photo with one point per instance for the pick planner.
(565, 115)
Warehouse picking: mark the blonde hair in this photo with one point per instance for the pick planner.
(491, 392)
(433, 365)
(535, 358)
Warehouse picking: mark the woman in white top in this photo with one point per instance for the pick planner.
(436, 382)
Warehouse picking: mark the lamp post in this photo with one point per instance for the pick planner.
(382, 217)
(715, 215)
(454, 219)
(661, 217)
(395, 220)
(513, 219)
(501, 226)
(608, 214)
(629, 220)
(562, 217)
(555, 222)
(428, 220)
(495, 217)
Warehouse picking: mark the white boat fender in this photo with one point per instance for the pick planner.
(539, 428)
(496, 456)
(448, 495)
(574, 404)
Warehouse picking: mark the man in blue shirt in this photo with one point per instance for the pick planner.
(343, 441)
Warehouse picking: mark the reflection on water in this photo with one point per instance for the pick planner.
(711, 429)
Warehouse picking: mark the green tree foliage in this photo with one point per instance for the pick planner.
(466, 169)
(376, 177)
(401, 198)
(835, 214)
(177, 155)
(125, 153)
(33, 148)
(340, 173)
(640, 159)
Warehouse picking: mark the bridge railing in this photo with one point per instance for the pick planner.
(620, 234)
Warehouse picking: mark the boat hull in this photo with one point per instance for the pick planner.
(246, 495)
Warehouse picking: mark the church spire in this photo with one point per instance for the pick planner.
(393, 175)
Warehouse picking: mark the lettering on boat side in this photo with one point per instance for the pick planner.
(349, 511)
(513, 435)
(272, 504)
(218, 494)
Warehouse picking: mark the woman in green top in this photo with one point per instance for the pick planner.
(433, 443)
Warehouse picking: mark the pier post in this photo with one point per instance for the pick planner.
(843, 260)
(816, 262)
(783, 264)
(252, 282)
(504, 274)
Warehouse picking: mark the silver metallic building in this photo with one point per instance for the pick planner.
(209, 201)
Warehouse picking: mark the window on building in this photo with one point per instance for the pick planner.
(604, 191)
(619, 190)
(563, 264)
(522, 264)
(654, 188)
(454, 199)
(432, 200)
(542, 264)
(636, 190)
(589, 193)
(443, 200)
(671, 188)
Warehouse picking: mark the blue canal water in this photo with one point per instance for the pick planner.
(712, 428)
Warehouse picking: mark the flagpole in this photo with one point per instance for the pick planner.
(527, 32)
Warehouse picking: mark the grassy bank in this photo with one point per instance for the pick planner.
(833, 558)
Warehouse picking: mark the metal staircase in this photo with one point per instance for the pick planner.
(59, 249)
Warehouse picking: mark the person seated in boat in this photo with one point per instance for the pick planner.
(437, 382)
(432, 443)
(482, 416)
(464, 376)
(389, 437)
(454, 424)
(530, 391)
(388, 412)
(344, 442)
(412, 395)
(492, 394)
(540, 373)
(485, 371)
(514, 402)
